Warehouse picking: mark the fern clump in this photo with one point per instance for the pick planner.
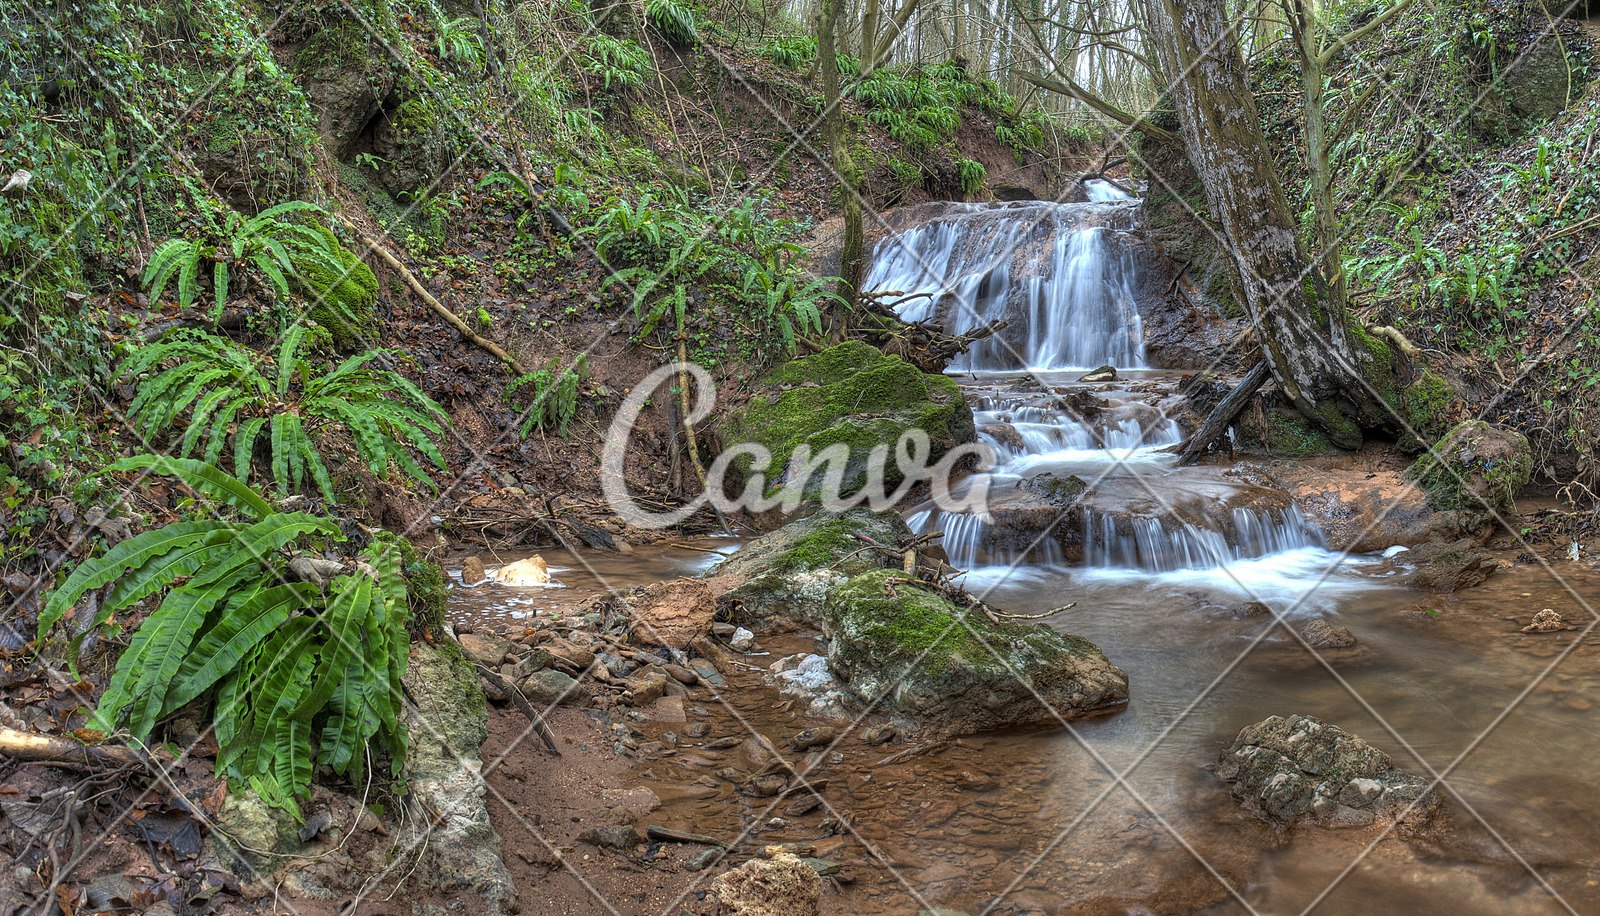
(222, 388)
(275, 247)
(555, 396)
(294, 674)
(972, 175)
(675, 23)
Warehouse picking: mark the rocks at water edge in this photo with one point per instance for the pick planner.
(780, 886)
(472, 572)
(1475, 466)
(939, 668)
(784, 576)
(1102, 374)
(672, 613)
(1446, 567)
(1547, 621)
(949, 670)
(1301, 770)
(532, 571)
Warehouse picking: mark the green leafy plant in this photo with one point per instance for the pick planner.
(971, 175)
(793, 308)
(459, 41)
(555, 396)
(222, 386)
(675, 23)
(270, 244)
(293, 674)
(794, 53)
(619, 62)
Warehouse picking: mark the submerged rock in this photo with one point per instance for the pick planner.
(1449, 567)
(1547, 621)
(1320, 634)
(947, 670)
(472, 571)
(1301, 770)
(850, 394)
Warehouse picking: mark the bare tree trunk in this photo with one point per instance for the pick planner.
(844, 166)
(1304, 333)
(1303, 25)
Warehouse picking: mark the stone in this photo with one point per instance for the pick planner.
(672, 613)
(1320, 634)
(1102, 374)
(780, 886)
(1475, 466)
(532, 571)
(812, 737)
(783, 577)
(878, 734)
(647, 686)
(487, 649)
(447, 817)
(1547, 621)
(668, 710)
(851, 394)
(565, 650)
(743, 640)
(1449, 567)
(933, 665)
(1300, 770)
(472, 572)
(549, 687)
(622, 839)
(681, 674)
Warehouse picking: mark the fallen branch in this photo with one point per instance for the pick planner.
(31, 747)
(1217, 422)
(1010, 616)
(510, 690)
(427, 297)
(911, 752)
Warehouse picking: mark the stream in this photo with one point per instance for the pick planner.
(1172, 572)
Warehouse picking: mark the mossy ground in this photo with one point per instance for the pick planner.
(1474, 465)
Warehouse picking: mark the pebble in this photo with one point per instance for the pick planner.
(878, 734)
(811, 737)
(743, 640)
(697, 730)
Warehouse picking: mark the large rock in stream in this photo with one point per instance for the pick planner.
(940, 669)
(951, 670)
(851, 395)
(1301, 770)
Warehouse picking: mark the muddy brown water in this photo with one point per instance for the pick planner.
(1119, 814)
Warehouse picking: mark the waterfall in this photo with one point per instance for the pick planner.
(1150, 546)
(1056, 271)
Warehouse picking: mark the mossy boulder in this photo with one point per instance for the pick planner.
(1287, 434)
(784, 577)
(946, 670)
(1427, 410)
(425, 584)
(851, 394)
(1475, 466)
(344, 302)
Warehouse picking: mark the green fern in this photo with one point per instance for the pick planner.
(972, 175)
(224, 389)
(281, 665)
(555, 396)
(277, 248)
(675, 23)
(459, 41)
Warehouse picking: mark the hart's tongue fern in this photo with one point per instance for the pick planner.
(292, 674)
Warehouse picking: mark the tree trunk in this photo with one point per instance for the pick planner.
(1321, 362)
(844, 166)
(1303, 24)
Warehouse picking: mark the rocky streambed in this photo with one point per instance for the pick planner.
(1136, 809)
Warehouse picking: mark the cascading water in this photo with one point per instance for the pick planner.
(1057, 272)
(1065, 276)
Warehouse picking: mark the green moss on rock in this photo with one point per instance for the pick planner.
(851, 394)
(425, 584)
(1474, 466)
(344, 303)
(1427, 403)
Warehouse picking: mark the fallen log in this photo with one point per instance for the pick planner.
(32, 747)
(1216, 423)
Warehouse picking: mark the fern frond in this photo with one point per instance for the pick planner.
(202, 477)
(245, 622)
(130, 555)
